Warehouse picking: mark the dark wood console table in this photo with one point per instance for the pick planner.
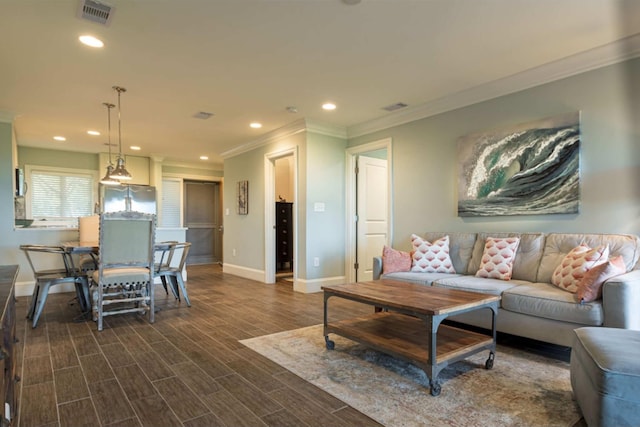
(8, 274)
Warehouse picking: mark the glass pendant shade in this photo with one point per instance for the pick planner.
(120, 172)
(107, 180)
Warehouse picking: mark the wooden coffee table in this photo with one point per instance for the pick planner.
(407, 323)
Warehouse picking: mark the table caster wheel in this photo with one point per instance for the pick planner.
(489, 363)
(330, 344)
(435, 389)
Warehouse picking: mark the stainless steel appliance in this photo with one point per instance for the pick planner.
(139, 198)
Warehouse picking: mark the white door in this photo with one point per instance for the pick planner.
(372, 213)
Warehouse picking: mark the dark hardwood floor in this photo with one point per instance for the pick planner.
(186, 369)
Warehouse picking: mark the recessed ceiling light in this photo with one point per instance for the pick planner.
(93, 132)
(90, 41)
(204, 157)
(135, 147)
(59, 138)
(256, 125)
(328, 106)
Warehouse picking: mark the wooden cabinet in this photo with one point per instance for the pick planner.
(8, 397)
(284, 236)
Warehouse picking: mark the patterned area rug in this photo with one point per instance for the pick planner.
(522, 389)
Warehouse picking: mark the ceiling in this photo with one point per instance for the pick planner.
(247, 60)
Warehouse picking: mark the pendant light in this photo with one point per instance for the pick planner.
(107, 180)
(120, 172)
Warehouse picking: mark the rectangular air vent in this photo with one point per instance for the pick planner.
(95, 11)
(396, 106)
(202, 115)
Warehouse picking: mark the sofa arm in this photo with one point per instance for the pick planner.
(621, 301)
(377, 267)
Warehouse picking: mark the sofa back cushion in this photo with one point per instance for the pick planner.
(558, 245)
(528, 255)
(460, 248)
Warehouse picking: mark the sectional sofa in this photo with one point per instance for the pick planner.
(531, 305)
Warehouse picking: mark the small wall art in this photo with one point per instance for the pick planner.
(528, 169)
(243, 197)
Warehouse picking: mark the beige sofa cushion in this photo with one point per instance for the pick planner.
(460, 248)
(550, 302)
(558, 245)
(525, 266)
(477, 284)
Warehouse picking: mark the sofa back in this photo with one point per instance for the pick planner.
(557, 245)
(528, 255)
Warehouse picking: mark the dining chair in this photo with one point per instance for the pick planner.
(163, 258)
(173, 274)
(123, 281)
(45, 278)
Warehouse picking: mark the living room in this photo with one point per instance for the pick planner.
(600, 84)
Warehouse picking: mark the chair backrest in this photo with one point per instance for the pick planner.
(184, 246)
(40, 265)
(126, 239)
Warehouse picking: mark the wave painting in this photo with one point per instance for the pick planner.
(530, 169)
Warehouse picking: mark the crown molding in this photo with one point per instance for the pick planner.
(201, 166)
(293, 128)
(612, 53)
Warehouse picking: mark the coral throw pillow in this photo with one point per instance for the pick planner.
(497, 258)
(394, 260)
(576, 263)
(431, 257)
(590, 287)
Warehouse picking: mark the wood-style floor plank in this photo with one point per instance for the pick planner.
(186, 370)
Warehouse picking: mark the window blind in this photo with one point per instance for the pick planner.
(60, 195)
(171, 202)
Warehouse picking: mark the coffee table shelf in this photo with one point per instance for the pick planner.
(404, 336)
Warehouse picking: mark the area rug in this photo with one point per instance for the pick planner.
(522, 389)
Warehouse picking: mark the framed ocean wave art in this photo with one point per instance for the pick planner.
(528, 169)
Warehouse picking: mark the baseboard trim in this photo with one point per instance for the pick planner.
(244, 272)
(315, 285)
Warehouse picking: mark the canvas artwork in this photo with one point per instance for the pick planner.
(528, 169)
(243, 197)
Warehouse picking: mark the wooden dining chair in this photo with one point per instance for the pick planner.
(123, 281)
(173, 273)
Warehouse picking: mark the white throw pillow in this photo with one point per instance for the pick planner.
(431, 257)
(497, 258)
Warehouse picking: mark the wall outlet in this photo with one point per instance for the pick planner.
(316, 262)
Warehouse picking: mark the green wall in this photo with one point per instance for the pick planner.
(425, 157)
(57, 158)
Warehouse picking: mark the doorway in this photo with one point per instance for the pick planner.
(369, 202)
(280, 180)
(203, 219)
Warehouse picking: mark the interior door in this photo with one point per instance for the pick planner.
(372, 213)
(203, 219)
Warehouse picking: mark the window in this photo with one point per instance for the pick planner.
(57, 197)
(171, 202)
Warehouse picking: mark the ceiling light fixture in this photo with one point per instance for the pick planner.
(256, 125)
(120, 172)
(91, 41)
(329, 106)
(59, 138)
(107, 180)
(135, 147)
(93, 132)
(204, 157)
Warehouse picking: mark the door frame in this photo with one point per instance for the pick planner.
(351, 198)
(270, 212)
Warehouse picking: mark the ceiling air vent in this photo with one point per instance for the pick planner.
(203, 115)
(396, 106)
(95, 11)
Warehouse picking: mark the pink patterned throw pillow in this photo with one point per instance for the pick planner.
(431, 257)
(576, 263)
(394, 260)
(590, 287)
(497, 258)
